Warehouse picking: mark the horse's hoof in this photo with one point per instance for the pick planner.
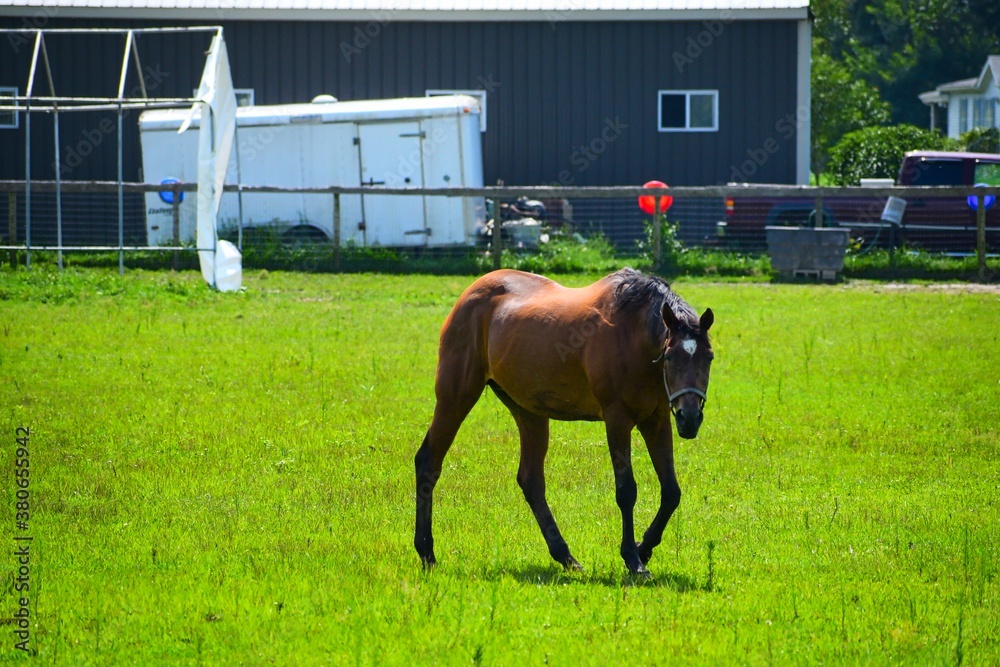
(570, 565)
(428, 562)
(639, 571)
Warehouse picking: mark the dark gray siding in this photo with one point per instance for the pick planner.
(554, 89)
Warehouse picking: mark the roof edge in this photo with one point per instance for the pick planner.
(991, 67)
(952, 155)
(552, 16)
(933, 97)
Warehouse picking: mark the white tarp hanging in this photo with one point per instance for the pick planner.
(221, 262)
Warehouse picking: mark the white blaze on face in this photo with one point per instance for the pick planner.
(690, 346)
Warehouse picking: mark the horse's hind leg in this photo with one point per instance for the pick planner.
(453, 405)
(534, 432)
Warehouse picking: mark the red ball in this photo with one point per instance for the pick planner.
(648, 204)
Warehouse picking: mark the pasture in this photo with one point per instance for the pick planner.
(228, 479)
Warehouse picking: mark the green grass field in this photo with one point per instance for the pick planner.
(228, 479)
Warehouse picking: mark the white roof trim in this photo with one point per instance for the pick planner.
(992, 67)
(430, 5)
(216, 15)
(933, 97)
(416, 10)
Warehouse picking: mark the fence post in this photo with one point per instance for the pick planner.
(981, 236)
(176, 206)
(496, 247)
(12, 222)
(121, 194)
(58, 170)
(336, 231)
(894, 230)
(657, 242)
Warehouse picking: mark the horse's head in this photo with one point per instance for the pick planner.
(687, 361)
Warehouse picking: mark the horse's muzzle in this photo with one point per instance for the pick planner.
(688, 422)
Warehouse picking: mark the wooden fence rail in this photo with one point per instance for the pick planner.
(817, 193)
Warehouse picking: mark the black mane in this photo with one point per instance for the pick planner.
(637, 290)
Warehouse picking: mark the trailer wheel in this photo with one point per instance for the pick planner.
(304, 235)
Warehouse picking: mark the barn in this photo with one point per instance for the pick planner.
(576, 92)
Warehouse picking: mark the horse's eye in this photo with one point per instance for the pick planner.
(669, 358)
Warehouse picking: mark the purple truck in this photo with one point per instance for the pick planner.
(935, 224)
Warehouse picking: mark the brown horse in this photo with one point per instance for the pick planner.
(626, 351)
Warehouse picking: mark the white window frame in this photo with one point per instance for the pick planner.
(984, 113)
(477, 93)
(239, 92)
(11, 91)
(245, 93)
(687, 110)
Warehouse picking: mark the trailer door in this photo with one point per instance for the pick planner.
(391, 156)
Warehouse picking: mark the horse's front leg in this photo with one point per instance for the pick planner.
(660, 443)
(620, 446)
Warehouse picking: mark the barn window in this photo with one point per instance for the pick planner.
(8, 118)
(689, 110)
(244, 96)
(479, 94)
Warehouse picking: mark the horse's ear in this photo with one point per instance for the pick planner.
(669, 318)
(707, 319)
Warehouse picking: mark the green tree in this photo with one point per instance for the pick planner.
(841, 103)
(877, 152)
(906, 47)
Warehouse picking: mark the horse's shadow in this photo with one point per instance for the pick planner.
(552, 576)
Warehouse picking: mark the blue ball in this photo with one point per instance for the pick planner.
(168, 195)
(973, 200)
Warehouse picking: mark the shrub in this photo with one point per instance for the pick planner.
(877, 152)
(911, 265)
(981, 140)
(671, 246)
(563, 254)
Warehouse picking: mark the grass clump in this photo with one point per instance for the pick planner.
(563, 254)
(915, 264)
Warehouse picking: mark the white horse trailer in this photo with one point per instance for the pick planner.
(431, 142)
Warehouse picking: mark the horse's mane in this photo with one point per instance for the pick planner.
(636, 290)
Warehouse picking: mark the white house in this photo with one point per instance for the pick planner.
(968, 103)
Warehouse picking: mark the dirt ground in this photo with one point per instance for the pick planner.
(966, 288)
